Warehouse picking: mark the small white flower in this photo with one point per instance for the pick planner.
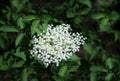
(57, 44)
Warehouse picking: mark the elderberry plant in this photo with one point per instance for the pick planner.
(56, 44)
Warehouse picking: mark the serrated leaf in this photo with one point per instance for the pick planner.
(70, 14)
(6, 28)
(109, 77)
(34, 79)
(43, 27)
(4, 35)
(109, 63)
(62, 71)
(98, 16)
(2, 22)
(6, 54)
(34, 27)
(19, 39)
(35, 23)
(104, 3)
(29, 18)
(15, 3)
(20, 23)
(8, 15)
(117, 35)
(21, 55)
(104, 24)
(114, 16)
(84, 11)
(74, 68)
(3, 66)
(56, 78)
(14, 16)
(86, 2)
(24, 76)
(93, 76)
(10, 61)
(2, 43)
(97, 68)
(18, 64)
(104, 57)
(76, 59)
(77, 20)
(1, 60)
(89, 49)
(18, 5)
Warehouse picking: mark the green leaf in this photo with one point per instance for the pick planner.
(34, 27)
(46, 18)
(14, 17)
(56, 78)
(19, 39)
(15, 3)
(114, 15)
(18, 5)
(2, 22)
(109, 77)
(24, 76)
(2, 43)
(90, 50)
(62, 71)
(8, 15)
(21, 55)
(104, 57)
(73, 68)
(34, 79)
(84, 11)
(4, 35)
(43, 27)
(3, 66)
(117, 35)
(18, 64)
(104, 3)
(6, 28)
(25, 1)
(29, 18)
(35, 23)
(10, 60)
(93, 76)
(98, 16)
(76, 59)
(70, 14)
(86, 2)
(109, 63)
(97, 68)
(1, 60)
(6, 54)
(77, 20)
(20, 23)
(104, 24)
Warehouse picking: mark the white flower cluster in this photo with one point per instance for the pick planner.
(57, 44)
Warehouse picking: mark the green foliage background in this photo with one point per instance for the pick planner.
(97, 60)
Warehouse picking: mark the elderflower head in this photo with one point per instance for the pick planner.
(57, 44)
